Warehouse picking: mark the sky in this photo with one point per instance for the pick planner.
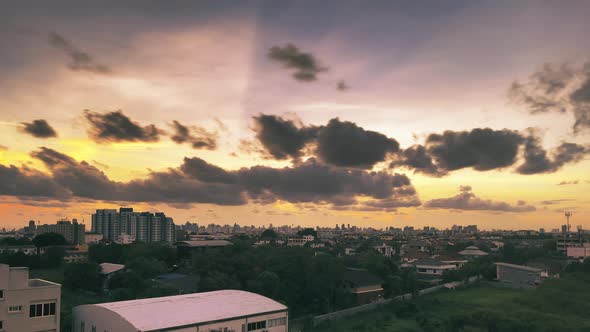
(368, 113)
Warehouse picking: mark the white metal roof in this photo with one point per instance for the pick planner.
(203, 243)
(191, 309)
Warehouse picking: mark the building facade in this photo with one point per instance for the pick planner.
(27, 305)
(141, 226)
(72, 231)
(223, 311)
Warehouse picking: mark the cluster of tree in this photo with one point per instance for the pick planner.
(50, 257)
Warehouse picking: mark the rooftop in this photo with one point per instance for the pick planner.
(429, 262)
(520, 267)
(108, 268)
(191, 309)
(203, 243)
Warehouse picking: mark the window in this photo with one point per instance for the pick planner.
(1, 294)
(1, 325)
(93, 328)
(15, 308)
(277, 322)
(42, 309)
(257, 325)
(82, 326)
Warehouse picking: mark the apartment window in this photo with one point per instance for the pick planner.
(277, 322)
(42, 309)
(257, 325)
(1, 325)
(15, 308)
(1, 294)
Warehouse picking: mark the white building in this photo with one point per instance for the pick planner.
(385, 250)
(125, 239)
(299, 240)
(432, 267)
(221, 311)
(27, 305)
(92, 238)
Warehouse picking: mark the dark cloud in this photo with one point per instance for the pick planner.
(38, 128)
(483, 149)
(343, 143)
(342, 86)
(564, 183)
(555, 201)
(196, 181)
(282, 138)
(536, 159)
(197, 137)
(467, 200)
(306, 66)
(557, 88)
(117, 127)
(79, 60)
(417, 158)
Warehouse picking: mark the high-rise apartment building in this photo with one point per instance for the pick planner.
(72, 231)
(143, 226)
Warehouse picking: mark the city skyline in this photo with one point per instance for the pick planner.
(290, 113)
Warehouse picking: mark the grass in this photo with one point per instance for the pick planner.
(558, 305)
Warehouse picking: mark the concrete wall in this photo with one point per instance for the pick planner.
(15, 284)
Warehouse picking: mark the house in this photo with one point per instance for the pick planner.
(419, 245)
(431, 268)
(451, 258)
(349, 251)
(411, 256)
(108, 270)
(27, 305)
(220, 311)
(299, 241)
(125, 239)
(92, 238)
(25, 249)
(472, 252)
(365, 286)
(385, 250)
(518, 276)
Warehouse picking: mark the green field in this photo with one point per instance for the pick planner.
(558, 305)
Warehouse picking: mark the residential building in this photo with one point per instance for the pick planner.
(27, 305)
(76, 254)
(224, 310)
(143, 226)
(299, 240)
(72, 231)
(518, 276)
(580, 252)
(472, 252)
(93, 238)
(26, 249)
(432, 268)
(125, 239)
(365, 286)
(385, 250)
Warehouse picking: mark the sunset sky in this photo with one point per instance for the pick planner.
(369, 113)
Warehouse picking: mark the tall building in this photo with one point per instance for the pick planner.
(72, 231)
(27, 305)
(142, 226)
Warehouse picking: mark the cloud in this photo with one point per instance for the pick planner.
(38, 128)
(343, 143)
(483, 149)
(339, 143)
(537, 161)
(306, 66)
(342, 86)
(563, 183)
(117, 127)
(196, 181)
(282, 138)
(197, 137)
(417, 158)
(467, 200)
(557, 88)
(556, 201)
(79, 60)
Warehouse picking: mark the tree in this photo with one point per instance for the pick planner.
(308, 231)
(269, 234)
(85, 276)
(49, 239)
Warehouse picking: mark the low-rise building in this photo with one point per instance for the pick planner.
(125, 239)
(224, 310)
(299, 240)
(25, 249)
(430, 267)
(518, 276)
(385, 250)
(580, 252)
(27, 305)
(472, 252)
(93, 238)
(365, 286)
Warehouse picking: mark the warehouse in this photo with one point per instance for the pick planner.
(218, 311)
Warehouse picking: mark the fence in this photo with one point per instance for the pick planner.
(298, 325)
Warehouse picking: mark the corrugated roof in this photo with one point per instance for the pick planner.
(191, 309)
